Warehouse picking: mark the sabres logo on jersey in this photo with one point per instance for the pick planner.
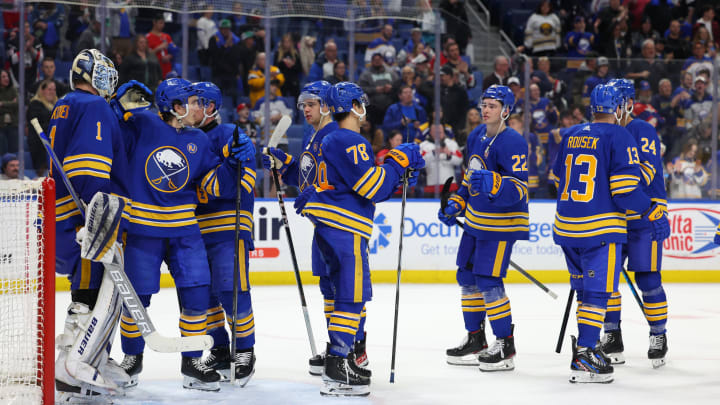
(167, 170)
(475, 163)
(308, 170)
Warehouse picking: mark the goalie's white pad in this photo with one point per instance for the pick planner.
(102, 222)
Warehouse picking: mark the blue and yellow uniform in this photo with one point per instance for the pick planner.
(216, 219)
(544, 118)
(597, 175)
(492, 225)
(168, 166)
(86, 138)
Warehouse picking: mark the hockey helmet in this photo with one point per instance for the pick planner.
(173, 90)
(340, 98)
(207, 93)
(605, 99)
(96, 69)
(314, 91)
(502, 94)
(626, 87)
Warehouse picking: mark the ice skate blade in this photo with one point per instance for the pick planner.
(316, 370)
(86, 394)
(195, 384)
(339, 389)
(132, 382)
(466, 360)
(584, 377)
(657, 363)
(503, 365)
(240, 382)
(616, 358)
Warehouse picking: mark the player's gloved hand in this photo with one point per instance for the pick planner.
(303, 198)
(276, 158)
(131, 97)
(242, 151)
(658, 218)
(80, 235)
(486, 181)
(448, 215)
(405, 156)
(413, 177)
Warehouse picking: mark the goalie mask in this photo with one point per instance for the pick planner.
(96, 69)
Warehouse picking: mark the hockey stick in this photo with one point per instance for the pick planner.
(236, 266)
(445, 195)
(563, 326)
(406, 175)
(280, 129)
(153, 338)
(632, 288)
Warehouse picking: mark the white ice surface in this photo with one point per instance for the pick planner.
(430, 322)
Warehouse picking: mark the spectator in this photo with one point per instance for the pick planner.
(278, 108)
(699, 105)
(248, 54)
(206, 29)
(288, 60)
(456, 21)
(660, 13)
(686, 85)
(40, 107)
(703, 35)
(324, 62)
(47, 19)
(246, 124)
(307, 53)
(462, 65)
(499, 75)
(609, 17)
(519, 92)
(542, 31)
(339, 73)
(395, 138)
(639, 38)
(666, 107)
(405, 115)
(90, 38)
(141, 64)
(373, 134)
(8, 114)
(377, 82)
(453, 98)
(472, 120)
(617, 46)
(256, 80)
(48, 72)
(121, 27)
(161, 44)
(408, 77)
(578, 115)
(442, 156)
(675, 43)
(417, 55)
(543, 116)
(543, 77)
(578, 43)
(687, 175)
(11, 167)
(600, 77)
(649, 67)
(643, 108)
(414, 46)
(698, 61)
(707, 19)
(383, 46)
(33, 54)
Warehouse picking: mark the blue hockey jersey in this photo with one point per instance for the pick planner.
(543, 117)
(651, 167)
(166, 165)
(505, 216)
(216, 216)
(597, 175)
(349, 184)
(85, 136)
(302, 172)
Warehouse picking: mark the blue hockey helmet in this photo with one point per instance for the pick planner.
(626, 87)
(502, 94)
(314, 91)
(173, 90)
(207, 93)
(96, 69)
(605, 99)
(340, 97)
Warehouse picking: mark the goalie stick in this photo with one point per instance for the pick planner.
(445, 195)
(153, 338)
(280, 130)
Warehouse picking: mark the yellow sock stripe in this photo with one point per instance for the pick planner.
(498, 309)
(128, 328)
(363, 314)
(615, 302)
(193, 325)
(656, 311)
(344, 322)
(591, 316)
(473, 303)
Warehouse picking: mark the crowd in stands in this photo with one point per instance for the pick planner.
(666, 46)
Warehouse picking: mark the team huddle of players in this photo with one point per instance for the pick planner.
(611, 206)
(180, 172)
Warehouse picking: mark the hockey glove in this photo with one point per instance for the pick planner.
(303, 198)
(131, 97)
(276, 158)
(413, 178)
(485, 181)
(659, 220)
(405, 156)
(241, 152)
(453, 209)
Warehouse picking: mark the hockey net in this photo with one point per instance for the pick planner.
(27, 291)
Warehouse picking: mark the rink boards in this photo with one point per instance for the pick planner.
(429, 247)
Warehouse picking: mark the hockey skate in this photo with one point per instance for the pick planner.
(359, 349)
(244, 366)
(219, 360)
(133, 365)
(69, 390)
(612, 346)
(658, 349)
(197, 376)
(499, 356)
(467, 353)
(340, 378)
(589, 366)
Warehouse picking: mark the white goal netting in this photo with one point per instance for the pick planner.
(24, 292)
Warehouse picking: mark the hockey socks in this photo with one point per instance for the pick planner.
(130, 337)
(497, 304)
(654, 301)
(473, 308)
(612, 315)
(590, 317)
(343, 326)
